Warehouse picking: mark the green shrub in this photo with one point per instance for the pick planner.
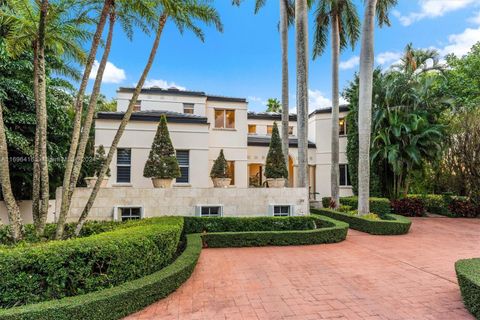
(275, 166)
(162, 162)
(380, 206)
(327, 231)
(119, 301)
(220, 167)
(434, 203)
(390, 224)
(56, 269)
(468, 275)
(237, 224)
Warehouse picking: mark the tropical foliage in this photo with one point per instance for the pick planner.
(273, 105)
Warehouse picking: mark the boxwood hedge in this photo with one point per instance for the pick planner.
(380, 206)
(57, 269)
(325, 231)
(390, 224)
(119, 301)
(468, 275)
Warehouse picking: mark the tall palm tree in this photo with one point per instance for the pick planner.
(273, 105)
(129, 13)
(342, 17)
(57, 29)
(287, 16)
(372, 8)
(184, 14)
(301, 45)
(13, 211)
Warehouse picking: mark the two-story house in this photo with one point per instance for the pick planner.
(200, 126)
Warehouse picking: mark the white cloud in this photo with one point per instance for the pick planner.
(433, 9)
(386, 59)
(475, 19)
(112, 73)
(162, 84)
(316, 100)
(350, 63)
(460, 44)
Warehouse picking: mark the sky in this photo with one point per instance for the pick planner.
(245, 61)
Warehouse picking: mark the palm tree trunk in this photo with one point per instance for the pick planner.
(12, 208)
(36, 154)
(123, 124)
(285, 107)
(77, 122)
(301, 28)
(91, 110)
(365, 107)
(335, 169)
(42, 121)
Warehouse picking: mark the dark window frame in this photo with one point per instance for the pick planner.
(124, 164)
(183, 167)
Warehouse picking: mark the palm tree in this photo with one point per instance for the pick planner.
(301, 45)
(380, 8)
(184, 14)
(129, 13)
(58, 29)
(273, 105)
(342, 16)
(287, 16)
(12, 208)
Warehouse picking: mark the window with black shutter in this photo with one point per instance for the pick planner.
(344, 176)
(183, 158)
(124, 165)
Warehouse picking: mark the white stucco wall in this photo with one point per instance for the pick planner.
(262, 125)
(25, 207)
(139, 136)
(182, 201)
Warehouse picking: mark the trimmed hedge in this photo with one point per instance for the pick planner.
(468, 275)
(119, 301)
(238, 224)
(409, 207)
(57, 269)
(391, 224)
(326, 231)
(448, 205)
(380, 206)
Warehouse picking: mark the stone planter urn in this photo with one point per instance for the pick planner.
(162, 183)
(276, 183)
(221, 182)
(90, 181)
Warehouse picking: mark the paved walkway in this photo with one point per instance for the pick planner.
(364, 277)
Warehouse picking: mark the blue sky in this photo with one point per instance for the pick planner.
(244, 60)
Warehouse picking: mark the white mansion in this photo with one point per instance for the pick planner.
(200, 125)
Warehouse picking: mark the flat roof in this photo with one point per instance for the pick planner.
(154, 115)
(178, 92)
(264, 141)
(269, 116)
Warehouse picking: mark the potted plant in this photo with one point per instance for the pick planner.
(97, 164)
(275, 168)
(162, 165)
(219, 172)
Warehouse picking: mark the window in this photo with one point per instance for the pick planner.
(269, 130)
(252, 129)
(137, 106)
(124, 164)
(290, 130)
(231, 171)
(343, 126)
(183, 158)
(188, 108)
(344, 175)
(130, 213)
(224, 119)
(210, 211)
(281, 211)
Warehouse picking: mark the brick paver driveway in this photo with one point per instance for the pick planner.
(364, 277)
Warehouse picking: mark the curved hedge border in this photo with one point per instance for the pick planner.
(119, 301)
(57, 269)
(380, 206)
(397, 225)
(327, 231)
(468, 275)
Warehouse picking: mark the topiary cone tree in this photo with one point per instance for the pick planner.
(162, 162)
(220, 167)
(275, 167)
